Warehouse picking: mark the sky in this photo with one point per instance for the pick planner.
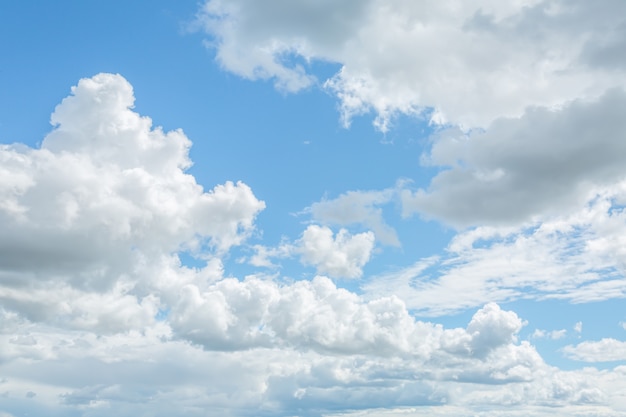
(353, 208)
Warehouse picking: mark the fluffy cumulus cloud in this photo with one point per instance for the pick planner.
(102, 200)
(353, 354)
(343, 255)
(464, 62)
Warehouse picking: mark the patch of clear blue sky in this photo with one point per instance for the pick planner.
(62, 41)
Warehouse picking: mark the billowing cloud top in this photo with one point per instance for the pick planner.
(104, 195)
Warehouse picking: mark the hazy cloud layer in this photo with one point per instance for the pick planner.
(340, 255)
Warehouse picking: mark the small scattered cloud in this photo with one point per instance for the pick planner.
(578, 327)
(553, 335)
(342, 255)
(605, 350)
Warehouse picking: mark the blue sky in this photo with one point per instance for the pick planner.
(357, 208)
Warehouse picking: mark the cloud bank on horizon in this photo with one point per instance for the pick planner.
(117, 286)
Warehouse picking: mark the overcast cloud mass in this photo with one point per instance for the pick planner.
(464, 256)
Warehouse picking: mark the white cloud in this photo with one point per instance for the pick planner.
(604, 350)
(471, 61)
(339, 256)
(343, 255)
(232, 315)
(306, 314)
(103, 200)
(270, 347)
(578, 327)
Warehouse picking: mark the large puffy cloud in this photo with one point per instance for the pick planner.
(232, 314)
(471, 61)
(491, 326)
(546, 162)
(100, 202)
(104, 171)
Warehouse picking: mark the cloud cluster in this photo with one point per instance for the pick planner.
(465, 62)
(92, 224)
(340, 255)
(100, 202)
(383, 357)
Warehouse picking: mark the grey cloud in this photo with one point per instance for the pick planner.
(545, 162)
(358, 207)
